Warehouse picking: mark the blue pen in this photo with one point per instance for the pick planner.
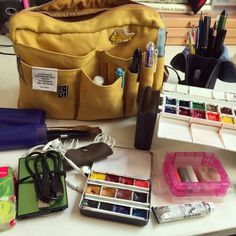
(120, 73)
(161, 42)
(150, 47)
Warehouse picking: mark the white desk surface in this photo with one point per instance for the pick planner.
(71, 222)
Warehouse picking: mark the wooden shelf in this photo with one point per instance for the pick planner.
(174, 20)
(182, 41)
(178, 26)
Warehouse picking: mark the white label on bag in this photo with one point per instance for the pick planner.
(44, 79)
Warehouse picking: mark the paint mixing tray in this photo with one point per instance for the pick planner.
(205, 175)
(119, 187)
(198, 115)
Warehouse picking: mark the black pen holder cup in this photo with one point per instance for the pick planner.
(146, 118)
(201, 71)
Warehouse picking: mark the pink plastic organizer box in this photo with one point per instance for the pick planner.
(200, 162)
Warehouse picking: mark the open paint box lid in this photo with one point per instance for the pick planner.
(119, 188)
(198, 115)
(126, 162)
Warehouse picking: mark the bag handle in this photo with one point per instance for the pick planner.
(67, 8)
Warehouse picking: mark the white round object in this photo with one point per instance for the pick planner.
(99, 80)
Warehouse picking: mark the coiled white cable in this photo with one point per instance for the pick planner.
(62, 147)
(57, 145)
(105, 138)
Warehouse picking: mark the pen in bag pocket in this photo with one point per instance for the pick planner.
(161, 42)
(150, 47)
(120, 73)
(135, 66)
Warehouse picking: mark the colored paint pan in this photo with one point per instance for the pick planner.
(140, 197)
(228, 120)
(98, 176)
(122, 209)
(139, 213)
(213, 108)
(213, 116)
(141, 183)
(170, 101)
(107, 206)
(183, 103)
(124, 194)
(108, 192)
(198, 114)
(226, 110)
(125, 180)
(171, 110)
(90, 203)
(184, 111)
(112, 178)
(93, 189)
(199, 106)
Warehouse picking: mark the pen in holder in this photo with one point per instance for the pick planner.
(202, 71)
(146, 118)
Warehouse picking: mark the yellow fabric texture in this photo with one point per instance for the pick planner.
(74, 36)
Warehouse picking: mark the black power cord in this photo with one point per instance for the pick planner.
(170, 67)
(6, 45)
(7, 54)
(47, 179)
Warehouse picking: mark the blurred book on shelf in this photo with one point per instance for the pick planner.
(175, 7)
(230, 9)
(219, 5)
(223, 2)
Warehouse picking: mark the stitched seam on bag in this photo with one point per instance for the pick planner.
(56, 53)
(89, 32)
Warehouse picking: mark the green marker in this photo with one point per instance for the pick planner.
(222, 21)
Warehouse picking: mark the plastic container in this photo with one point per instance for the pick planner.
(199, 161)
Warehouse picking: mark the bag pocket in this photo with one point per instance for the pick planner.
(60, 104)
(105, 101)
(48, 59)
(109, 64)
(131, 91)
(146, 78)
(159, 74)
(99, 101)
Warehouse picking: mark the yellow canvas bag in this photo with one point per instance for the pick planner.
(62, 45)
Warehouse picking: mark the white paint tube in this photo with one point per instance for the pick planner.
(182, 211)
